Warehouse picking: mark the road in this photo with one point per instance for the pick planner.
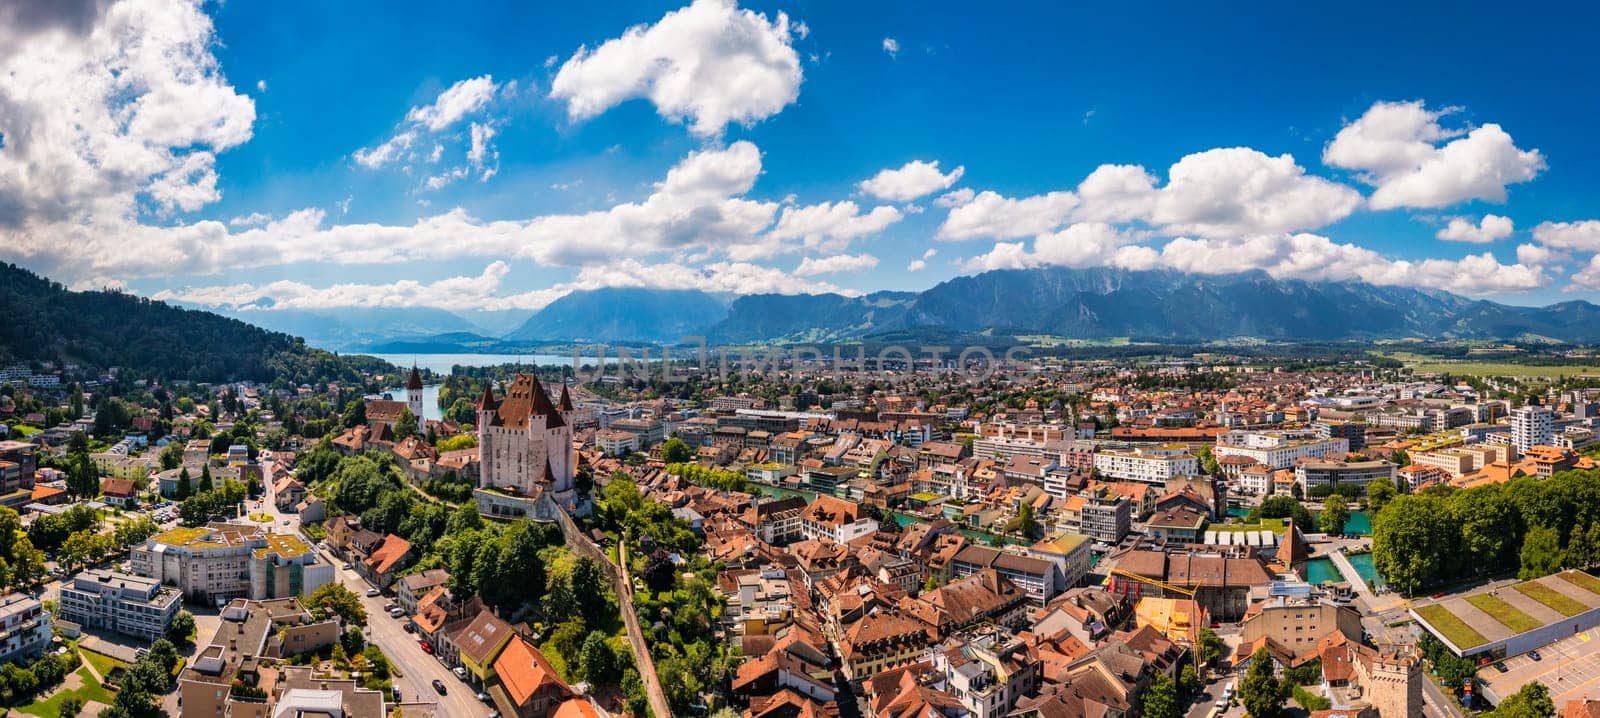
(418, 669)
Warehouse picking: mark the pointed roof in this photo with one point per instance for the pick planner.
(525, 398)
(566, 400)
(415, 383)
(486, 402)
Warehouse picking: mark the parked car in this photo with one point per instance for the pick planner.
(484, 697)
(410, 627)
(372, 593)
(396, 612)
(438, 685)
(1535, 655)
(427, 647)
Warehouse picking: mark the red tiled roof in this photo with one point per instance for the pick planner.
(524, 672)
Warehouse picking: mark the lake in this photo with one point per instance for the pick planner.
(441, 363)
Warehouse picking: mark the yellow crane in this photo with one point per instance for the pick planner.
(1158, 584)
(1194, 625)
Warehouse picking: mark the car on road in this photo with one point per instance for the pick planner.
(427, 647)
(410, 627)
(460, 672)
(438, 685)
(347, 566)
(286, 522)
(372, 593)
(396, 612)
(484, 697)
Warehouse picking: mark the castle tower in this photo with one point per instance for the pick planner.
(414, 394)
(1394, 683)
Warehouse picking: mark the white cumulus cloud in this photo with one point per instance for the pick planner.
(710, 64)
(837, 264)
(1583, 236)
(1489, 229)
(915, 179)
(1396, 147)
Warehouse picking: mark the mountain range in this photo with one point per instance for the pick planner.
(1095, 303)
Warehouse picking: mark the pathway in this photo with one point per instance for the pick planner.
(622, 585)
(1352, 577)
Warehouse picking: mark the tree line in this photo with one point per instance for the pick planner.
(1529, 525)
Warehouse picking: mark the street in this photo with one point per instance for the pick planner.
(418, 669)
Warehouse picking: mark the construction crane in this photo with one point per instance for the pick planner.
(1194, 624)
(1158, 584)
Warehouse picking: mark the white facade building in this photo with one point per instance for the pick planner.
(1151, 465)
(1532, 426)
(1278, 449)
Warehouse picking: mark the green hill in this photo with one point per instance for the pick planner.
(41, 320)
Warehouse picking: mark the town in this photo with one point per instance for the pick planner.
(1206, 536)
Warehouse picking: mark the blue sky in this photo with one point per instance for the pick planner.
(236, 154)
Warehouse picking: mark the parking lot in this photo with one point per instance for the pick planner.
(1570, 668)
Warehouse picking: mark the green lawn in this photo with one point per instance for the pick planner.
(1433, 365)
(1556, 600)
(1454, 629)
(102, 663)
(25, 431)
(1581, 580)
(91, 690)
(1510, 615)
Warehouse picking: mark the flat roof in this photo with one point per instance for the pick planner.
(1477, 621)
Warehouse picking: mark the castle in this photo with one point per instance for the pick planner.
(525, 448)
(414, 394)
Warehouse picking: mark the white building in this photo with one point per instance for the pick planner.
(1532, 426)
(1151, 465)
(223, 561)
(1278, 449)
(24, 627)
(131, 605)
(835, 519)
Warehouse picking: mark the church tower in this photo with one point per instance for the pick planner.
(414, 394)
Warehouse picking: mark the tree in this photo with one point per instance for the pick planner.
(1161, 698)
(1531, 701)
(355, 414)
(340, 600)
(206, 484)
(353, 640)
(1400, 458)
(1210, 647)
(1379, 491)
(1580, 552)
(597, 663)
(1335, 512)
(675, 451)
(184, 490)
(1208, 462)
(181, 630)
(406, 425)
(1285, 507)
(1188, 682)
(1409, 539)
(1541, 553)
(1262, 694)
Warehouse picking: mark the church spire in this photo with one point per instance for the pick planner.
(415, 383)
(566, 400)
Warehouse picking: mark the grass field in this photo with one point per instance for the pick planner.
(91, 690)
(1453, 628)
(1581, 580)
(1046, 340)
(1434, 365)
(1507, 614)
(102, 663)
(1557, 601)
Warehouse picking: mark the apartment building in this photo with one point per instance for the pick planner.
(1278, 449)
(25, 628)
(987, 673)
(1532, 426)
(836, 520)
(1148, 464)
(1101, 514)
(286, 567)
(131, 605)
(1069, 551)
(1040, 578)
